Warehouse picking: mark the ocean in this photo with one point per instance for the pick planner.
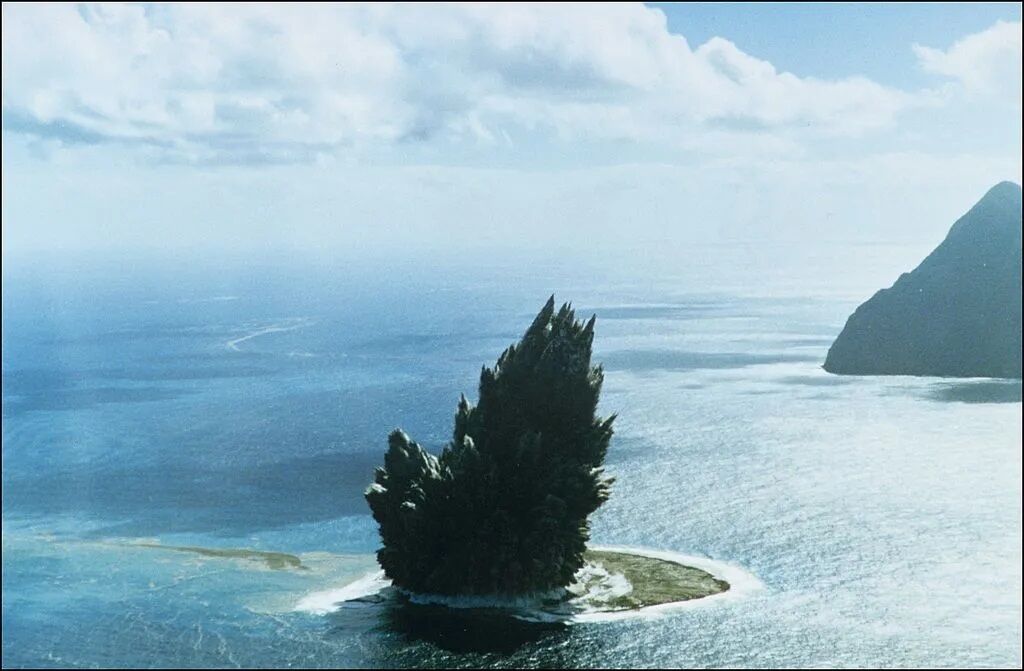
(158, 411)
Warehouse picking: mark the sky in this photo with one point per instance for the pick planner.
(332, 129)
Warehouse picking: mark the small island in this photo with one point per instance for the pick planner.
(613, 583)
(648, 581)
(958, 314)
(500, 517)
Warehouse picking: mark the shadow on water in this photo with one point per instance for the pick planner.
(987, 391)
(81, 399)
(30, 390)
(815, 380)
(455, 630)
(191, 498)
(675, 360)
(667, 312)
(468, 630)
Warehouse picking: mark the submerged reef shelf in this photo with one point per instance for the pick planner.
(614, 582)
(274, 560)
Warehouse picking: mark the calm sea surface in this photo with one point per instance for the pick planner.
(244, 405)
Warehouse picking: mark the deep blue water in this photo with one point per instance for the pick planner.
(245, 405)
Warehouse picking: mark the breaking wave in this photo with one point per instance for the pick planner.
(278, 327)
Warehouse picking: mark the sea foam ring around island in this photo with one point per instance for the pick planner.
(531, 608)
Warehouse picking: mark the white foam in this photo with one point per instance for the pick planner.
(210, 299)
(601, 587)
(280, 327)
(328, 601)
(597, 585)
(525, 602)
(742, 583)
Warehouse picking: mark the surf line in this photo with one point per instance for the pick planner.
(742, 583)
(273, 328)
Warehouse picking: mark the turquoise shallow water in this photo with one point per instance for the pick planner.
(245, 406)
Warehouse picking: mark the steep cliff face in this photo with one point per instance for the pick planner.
(958, 314)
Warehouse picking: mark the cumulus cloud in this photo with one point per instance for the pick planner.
(986, 63)
(293, 83)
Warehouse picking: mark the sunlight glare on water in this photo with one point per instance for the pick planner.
(229, 410)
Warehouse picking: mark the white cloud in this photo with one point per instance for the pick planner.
(280, 83)
(380, 209)
(986, 63)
